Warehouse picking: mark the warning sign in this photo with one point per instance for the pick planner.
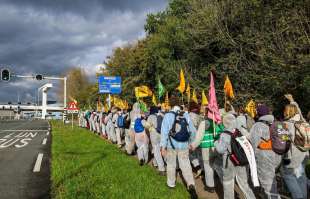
(72, 107)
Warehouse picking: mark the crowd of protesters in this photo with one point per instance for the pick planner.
(185, 139)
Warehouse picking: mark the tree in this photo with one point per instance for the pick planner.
(262, 45)
(77, 86)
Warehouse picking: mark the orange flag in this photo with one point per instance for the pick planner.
(181, 87)
(229, 91)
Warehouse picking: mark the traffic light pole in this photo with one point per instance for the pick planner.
(51, 78)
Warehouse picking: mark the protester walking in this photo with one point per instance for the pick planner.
(208, 131)
(154, 123)
(177, 131)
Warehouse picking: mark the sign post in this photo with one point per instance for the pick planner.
(73, 109)
(110, 85)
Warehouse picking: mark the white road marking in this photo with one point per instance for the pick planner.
(37, 166)
(44, 141)
(48, 133)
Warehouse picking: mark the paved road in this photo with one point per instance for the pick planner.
(24, 160)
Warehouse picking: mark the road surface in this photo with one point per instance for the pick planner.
(25, 159)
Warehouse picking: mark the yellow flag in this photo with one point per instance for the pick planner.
(181, 87)
(251, 108)
(204, 99)
(143, 91)
(229, 91)
(194, 97)
(99, 106)
(188, 91)
(126, 105)
(154, 100)
(112, 100)
(118, 102)
(106, 107)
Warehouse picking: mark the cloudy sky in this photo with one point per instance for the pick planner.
(49, 36)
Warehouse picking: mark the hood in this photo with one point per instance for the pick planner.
(267, 118)
(114, 110)
(241, 122)
(176, 109)
(153, 110)
(296, 118)
(136, 107)
(230, 122)
(262, 110)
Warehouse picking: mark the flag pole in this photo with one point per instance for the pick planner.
(213, 124)
(182, 99)
(72, 121)
(225, 99)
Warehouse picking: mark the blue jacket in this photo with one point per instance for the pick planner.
(167, 124)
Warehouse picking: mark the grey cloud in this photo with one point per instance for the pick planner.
(50, 36)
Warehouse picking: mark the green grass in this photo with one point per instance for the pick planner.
(85, 166)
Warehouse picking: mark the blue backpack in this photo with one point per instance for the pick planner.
(120, 121)
(183, 134)
(138, 126)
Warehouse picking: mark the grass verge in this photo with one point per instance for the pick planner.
(85, 166)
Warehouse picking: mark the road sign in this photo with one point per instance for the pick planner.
(72, 106)
(72, 111)
(110, 85)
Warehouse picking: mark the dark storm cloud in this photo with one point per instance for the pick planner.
(49, 36)
(89, 7)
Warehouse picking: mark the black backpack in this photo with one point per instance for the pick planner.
(127, 122)
(159, 123)
(183, 134)
(237, 154)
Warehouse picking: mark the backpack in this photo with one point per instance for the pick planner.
(126, 122)
(302, 136)
(279, 141)
(181, 134)
(138, 126)
(159, 123)
(120, 121)
(237, 154)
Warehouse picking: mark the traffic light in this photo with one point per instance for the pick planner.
(5, 75)
(39, 77)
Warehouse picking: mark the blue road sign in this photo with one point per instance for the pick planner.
(111, 85)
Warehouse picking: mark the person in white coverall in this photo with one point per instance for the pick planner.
(230, 171)
(155, 138)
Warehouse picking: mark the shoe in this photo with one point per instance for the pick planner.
(198, 173)
(192, 192)
(209, 189)
(141, 162)
(171, 187)
(162, 173)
